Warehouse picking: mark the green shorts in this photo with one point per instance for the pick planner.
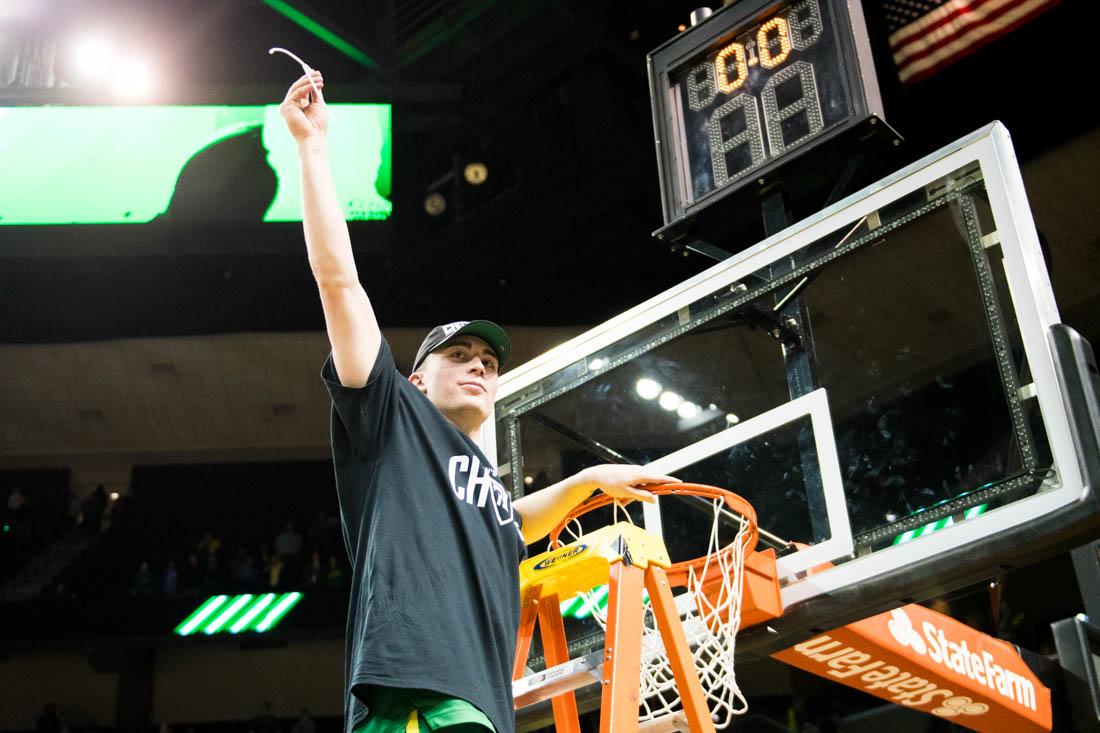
(396, 710)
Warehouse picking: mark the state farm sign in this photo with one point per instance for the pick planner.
(925, 660)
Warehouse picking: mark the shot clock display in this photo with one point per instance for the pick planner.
(754, 85)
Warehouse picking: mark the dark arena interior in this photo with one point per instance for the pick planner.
(173, 555)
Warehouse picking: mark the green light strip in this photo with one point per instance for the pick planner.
(596, 600)
(223, 618)
(235, 614)
(276, 614)
(296, 16)
(975, 511)
(936, 526)
(579, 608)
(253, 611)
(571, 606)
(201, 614)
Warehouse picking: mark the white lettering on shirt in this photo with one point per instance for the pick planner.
(456, 464)
(474, 484)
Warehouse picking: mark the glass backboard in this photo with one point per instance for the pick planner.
(875, 380)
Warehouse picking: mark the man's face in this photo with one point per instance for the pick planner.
(461, 380)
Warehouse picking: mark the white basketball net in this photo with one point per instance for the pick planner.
(710, 624)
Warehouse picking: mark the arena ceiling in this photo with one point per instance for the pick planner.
(552, 94)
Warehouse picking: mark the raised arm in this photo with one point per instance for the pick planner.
(349, 318)
(544, 509)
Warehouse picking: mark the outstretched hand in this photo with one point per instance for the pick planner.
(623, 481)
(543, 510)
(305, 115)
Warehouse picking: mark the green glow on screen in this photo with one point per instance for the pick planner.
(120, 165)
(234, 614)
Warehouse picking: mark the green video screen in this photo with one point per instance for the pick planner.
(135, 165)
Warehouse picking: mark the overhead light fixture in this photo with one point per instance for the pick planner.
(133, 79)
(647, 388)
(435, 204)
(597, 363)
(475, 173)
(94, 57)
(669, 401)
(732, 419)
(687, 410)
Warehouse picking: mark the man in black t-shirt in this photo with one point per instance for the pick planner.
(434, 538)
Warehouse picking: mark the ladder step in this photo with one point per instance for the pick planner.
(676, 721)
(572, 675)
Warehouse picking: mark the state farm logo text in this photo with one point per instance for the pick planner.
(908, 687)
(958, 657)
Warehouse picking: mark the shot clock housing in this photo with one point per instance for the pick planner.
(762, 91)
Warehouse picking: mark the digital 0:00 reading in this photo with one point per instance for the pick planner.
(772, 88)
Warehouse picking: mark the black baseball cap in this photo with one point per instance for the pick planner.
(487, 331)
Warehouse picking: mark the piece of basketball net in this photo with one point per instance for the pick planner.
(711, 610)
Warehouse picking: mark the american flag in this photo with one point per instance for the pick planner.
(928, 35)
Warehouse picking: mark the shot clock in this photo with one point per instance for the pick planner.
(754, 87)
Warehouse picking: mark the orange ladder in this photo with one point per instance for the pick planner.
(627, 558)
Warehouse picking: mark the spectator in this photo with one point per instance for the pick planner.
(289, 542)
(316, 572)
(93, 508)
(289, 546)
(171, 579)
(48, 721)
(235, 564)
(17, 500)
(334, 577)
(20, 517)
(191, 575)
(275, 572)
(209, 550)
(212, 572)
(304, 724)
(142, 583)
(333, 538)
(246, 573)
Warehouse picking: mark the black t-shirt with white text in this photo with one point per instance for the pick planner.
(434, 545)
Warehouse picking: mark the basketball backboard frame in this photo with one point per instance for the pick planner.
(1063, 512)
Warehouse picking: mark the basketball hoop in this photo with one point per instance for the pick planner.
(711, 609)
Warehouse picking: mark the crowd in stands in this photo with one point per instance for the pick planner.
(31, 518)
(213, 565)
(190, 530)
(177, 530)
